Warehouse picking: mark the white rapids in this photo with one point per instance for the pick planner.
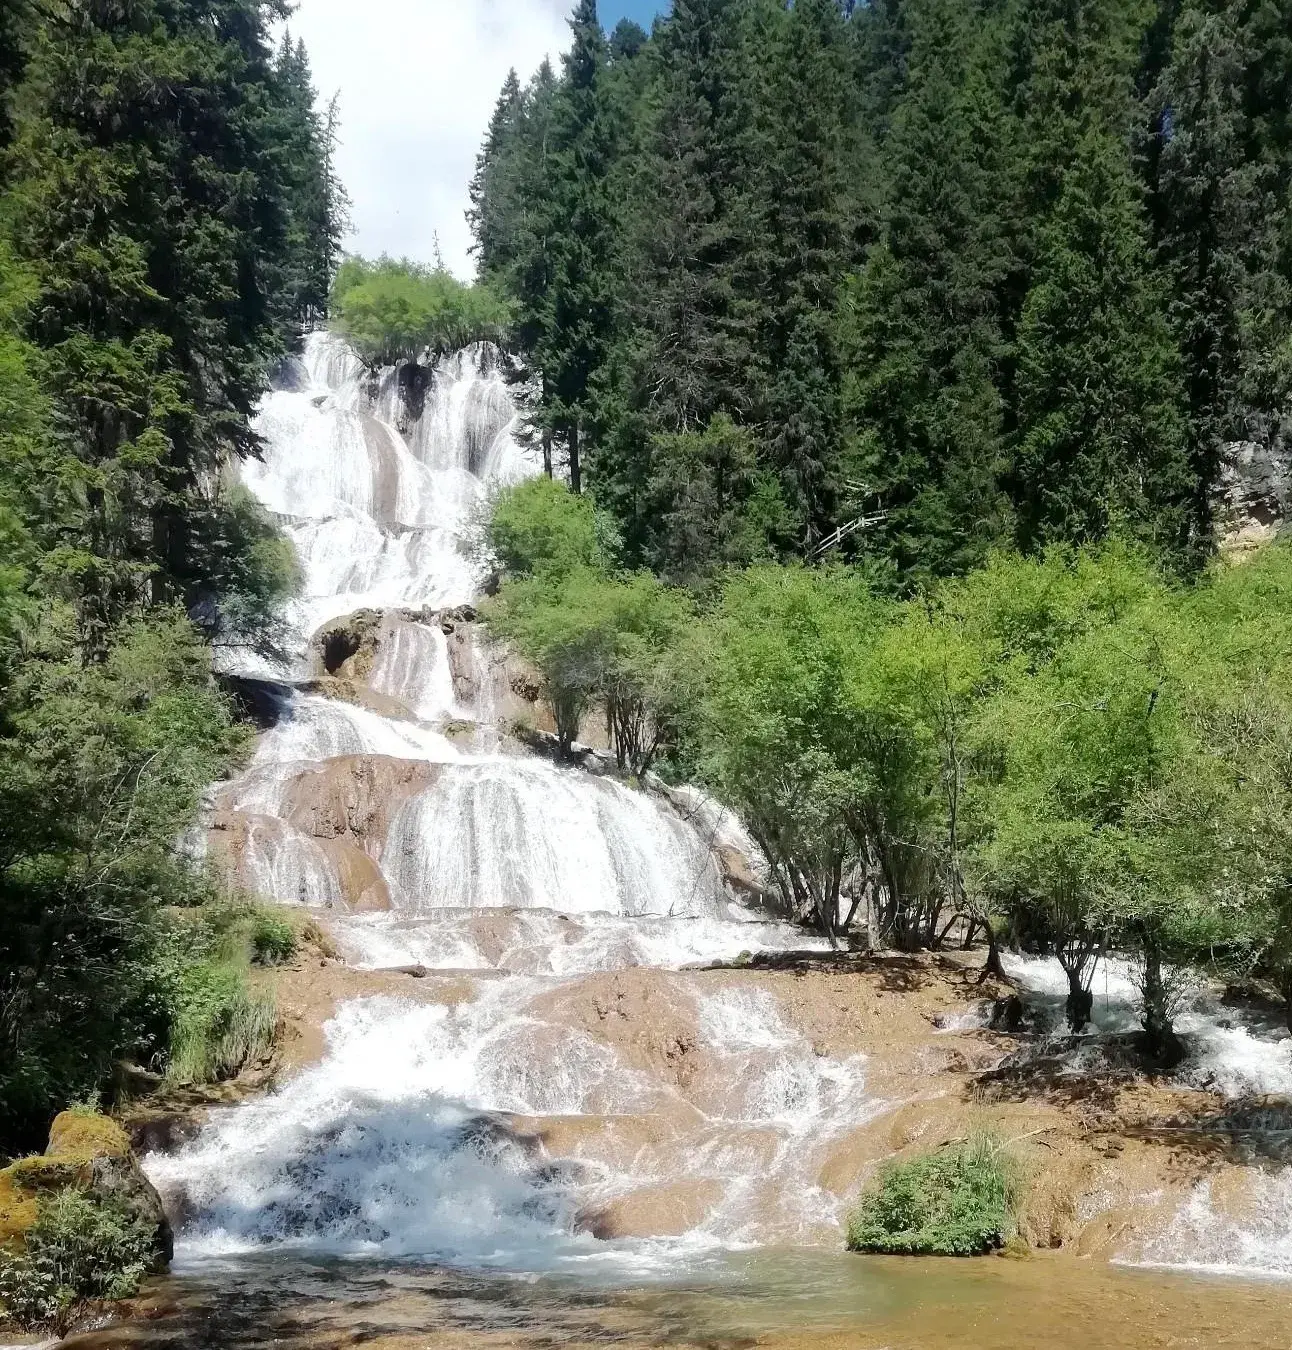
(419, 1131)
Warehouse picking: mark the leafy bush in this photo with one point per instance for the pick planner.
(81, 1247)
(540, 526)
(392, 310)
(957, 1201)
(273, 940)
(102, 766)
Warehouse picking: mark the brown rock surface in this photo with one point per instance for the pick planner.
(354, 797)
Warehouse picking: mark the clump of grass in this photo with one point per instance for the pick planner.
(81, 1247)
(960, 1200)
(217, 1021)
(273, 939)
(218, 1025)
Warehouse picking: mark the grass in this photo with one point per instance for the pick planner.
(218, 1023)
(959, 1200)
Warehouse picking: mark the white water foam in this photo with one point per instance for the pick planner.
(1233, 1051)
(544, 942)
(409, 1137)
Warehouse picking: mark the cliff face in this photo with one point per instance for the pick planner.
(1254, 492)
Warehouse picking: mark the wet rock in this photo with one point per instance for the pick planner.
(347, 647)
(354, 797)
(738, 872)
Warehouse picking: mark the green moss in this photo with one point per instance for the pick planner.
(86, 1134)
(960, 1200)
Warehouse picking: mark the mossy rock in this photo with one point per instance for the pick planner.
(86, 1152)
(83, 1135)
(18, 1208)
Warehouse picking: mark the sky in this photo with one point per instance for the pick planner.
(418, 80)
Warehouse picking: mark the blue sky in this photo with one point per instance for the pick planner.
(643, 11)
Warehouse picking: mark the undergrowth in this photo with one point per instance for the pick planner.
(81, 1248)
(218, 1022)
(960, 1200)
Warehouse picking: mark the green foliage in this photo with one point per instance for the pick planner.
(102, 768)
(273, 940)
(960, 1200)
(393, 311)
(968, 274)
(217, 1026)
(81, 1247)
(598, 640)
(713, 506)
(216, 1022)
(782, 726)
(165, 250)
(541, 527)
(157, 254)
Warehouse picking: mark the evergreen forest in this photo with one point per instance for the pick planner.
(903, 282)
(169, 223)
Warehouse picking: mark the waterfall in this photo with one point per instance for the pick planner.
(558, 1087)
(384, 797)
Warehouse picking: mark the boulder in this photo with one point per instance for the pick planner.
(91, 1153)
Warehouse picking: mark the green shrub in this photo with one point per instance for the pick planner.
(80, 1247)
(273, 940)
(218, 1025)
(960, 1200)
(392, 310)
(540, 526)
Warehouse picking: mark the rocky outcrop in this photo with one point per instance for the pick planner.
(87, 1152)
(346, 648)
(1254, 491)
(339, 812)
(354, 797)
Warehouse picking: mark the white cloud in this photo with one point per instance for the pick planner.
(418, 80)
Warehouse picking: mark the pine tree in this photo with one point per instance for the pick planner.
(1215, 232)
(920, 323)
(795, 258)
(494, 191)
(163, 242)
(1101, 438)
(578, 313)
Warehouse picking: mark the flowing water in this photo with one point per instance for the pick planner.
(559, 1099)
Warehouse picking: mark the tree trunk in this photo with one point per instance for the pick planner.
(576, 474)
(1160, 1040)
(992, 967)
(1079, 1005)
(547, 452)
(1285, 987)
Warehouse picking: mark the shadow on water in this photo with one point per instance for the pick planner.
(790, 1300)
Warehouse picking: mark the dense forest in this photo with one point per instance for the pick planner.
(912, 279)
(169, 221)
(963, 301)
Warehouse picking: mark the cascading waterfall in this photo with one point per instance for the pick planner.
(392, 808)
(531, 1122)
